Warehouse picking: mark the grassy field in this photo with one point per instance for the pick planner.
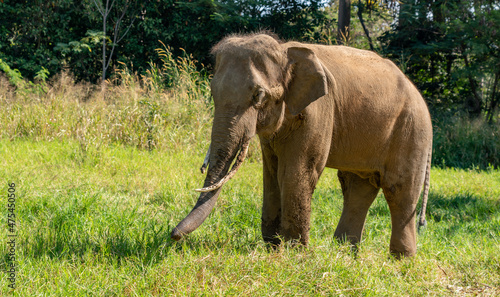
(101, 179)
(100, 227)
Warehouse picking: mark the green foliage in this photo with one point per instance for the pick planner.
(463, 143)
(14, 75)
(31, 29)
(42, 75)
(377, 17)
(24, 87)
(59, 34)
(174, 71)
(450, 49)
(92, 39)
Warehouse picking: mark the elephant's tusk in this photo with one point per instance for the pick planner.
(236, 166)
(206, 161)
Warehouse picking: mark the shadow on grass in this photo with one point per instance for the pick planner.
(148, 247)
(65, 232)
(83, 227)
(462, 207)
(463, 214)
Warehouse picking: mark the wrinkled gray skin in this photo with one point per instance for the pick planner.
(316, 106)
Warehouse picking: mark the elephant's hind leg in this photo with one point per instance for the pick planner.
(402, 202)
(359, 194)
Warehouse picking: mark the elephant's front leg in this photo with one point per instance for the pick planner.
(296, 214)
(297, 183)
(271, 206)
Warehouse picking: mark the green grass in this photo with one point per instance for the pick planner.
(100, 226)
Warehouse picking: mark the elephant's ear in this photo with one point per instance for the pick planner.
(308, 80)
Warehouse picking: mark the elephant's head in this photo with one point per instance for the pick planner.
(257, 80)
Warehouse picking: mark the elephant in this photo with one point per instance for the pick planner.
(314, 106)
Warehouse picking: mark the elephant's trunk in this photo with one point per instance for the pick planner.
(200, 212)
(216, 177)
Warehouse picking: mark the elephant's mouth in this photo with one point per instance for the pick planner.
(239, 160)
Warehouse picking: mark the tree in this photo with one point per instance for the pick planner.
(344, 21)
(105, 11)
(29, 30)
(450, 50)
(361, 9)
(88, 37)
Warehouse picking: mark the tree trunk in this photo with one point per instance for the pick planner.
(494, 99)
(475, 103)
(344, 21)
(405, 8)
(104, 20)
(360, 15)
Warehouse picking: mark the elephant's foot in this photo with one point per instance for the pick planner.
(276, 240)
(352, 240)
(400, 255)
(404, 230)
(273, 240)
(346, 237)
(400, 249)
(295, 233)
(403, 242)
(270, 230)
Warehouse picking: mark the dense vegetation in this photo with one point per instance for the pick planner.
(66, 33)
(451, 50)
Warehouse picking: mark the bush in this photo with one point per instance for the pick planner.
(463, 143)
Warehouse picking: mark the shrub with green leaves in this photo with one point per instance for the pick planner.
(464, 143)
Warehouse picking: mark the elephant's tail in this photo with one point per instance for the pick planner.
(425, 194)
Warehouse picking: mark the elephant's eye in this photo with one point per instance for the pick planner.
(258, 97)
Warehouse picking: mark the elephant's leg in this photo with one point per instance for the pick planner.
(359, 194)
(297, 183)
(296, 211)
(402, 202)
(271, 206)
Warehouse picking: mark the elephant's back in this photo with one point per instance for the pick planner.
(365, 80)
(375, 105)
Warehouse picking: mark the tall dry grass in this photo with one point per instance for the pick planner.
(167, 106)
